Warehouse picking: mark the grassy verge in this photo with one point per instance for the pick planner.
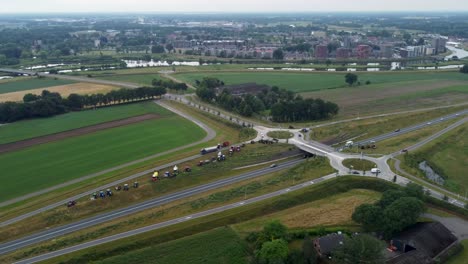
(447, 156)
(357, 164)
(367, 128)
(237, 192)
(280, 134)
(233, 216)
(39, 127)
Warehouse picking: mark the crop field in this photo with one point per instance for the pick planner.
(220, 245)
(39, 127)
(142, 79)
(63, 90)
(332, 211)
(13, 85)
(46, 165)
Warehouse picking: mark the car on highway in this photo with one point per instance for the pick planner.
(397, 130)
(429, 123)
(404, 150)
(274, 165)
(356, 172)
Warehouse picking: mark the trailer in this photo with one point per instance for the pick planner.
(208, 150)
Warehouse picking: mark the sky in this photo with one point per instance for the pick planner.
(229, 6)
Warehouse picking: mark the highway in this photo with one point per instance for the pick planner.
(412, 128)
(105, 217)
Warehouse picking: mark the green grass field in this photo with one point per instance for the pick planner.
(143, 79)
(307, 82)
(359, 164)
(216, 246)
(39, 127)
(46, 165)
(29, 84)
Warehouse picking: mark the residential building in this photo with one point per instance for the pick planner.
(343, 53)
(321, 52)
(439, 45)
(325, 245)
(386, 51)
(363, 52)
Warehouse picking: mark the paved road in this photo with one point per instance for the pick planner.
(413, 128)
(458, 226)
(173, 222)
(210, 134)
(133, 209)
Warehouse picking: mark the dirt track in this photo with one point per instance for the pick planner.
(8, 147)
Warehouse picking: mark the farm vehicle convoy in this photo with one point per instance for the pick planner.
(157, 175)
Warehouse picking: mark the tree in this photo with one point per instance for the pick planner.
(29, 97)
(360, 249)
(414, 190)
(351, 78)
(401, 214)
(275, 230)
(464, 69)
(310, 255)
(369, 215)
(275, 251)
(389, 196)
(278, 54)
(157, 49)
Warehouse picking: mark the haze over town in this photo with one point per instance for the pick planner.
(260, 6)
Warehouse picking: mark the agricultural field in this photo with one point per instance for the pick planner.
(26, 129)
(220, 245)
(449, 156)
(142, 79)
(24, 84)
(335, 210)
(49, 164)
(63, 90)
(388, 91)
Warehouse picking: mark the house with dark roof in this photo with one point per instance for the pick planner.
(421, 243)
(245, 88)
(325, 245)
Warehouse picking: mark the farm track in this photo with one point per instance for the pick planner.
(22, 144)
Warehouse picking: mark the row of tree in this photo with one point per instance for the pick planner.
(283, 105)
(169, 84)
(49, 104)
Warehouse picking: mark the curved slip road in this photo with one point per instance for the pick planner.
(105, 217)
(210, 134)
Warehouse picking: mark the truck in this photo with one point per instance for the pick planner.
(209, 150)
(375, 170)
(349, 144)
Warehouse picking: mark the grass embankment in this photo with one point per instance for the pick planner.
(312, 169)
(367, 128)
(280, 134)
(447, 156)
(39, 127)
(234, 216)
(22, 84)
(358, 164)
(30, 169)
(220, 245)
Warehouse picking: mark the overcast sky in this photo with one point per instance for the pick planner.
(41, 6)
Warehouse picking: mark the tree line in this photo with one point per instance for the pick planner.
(169, 84)
(49, 104)
(283, 105)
